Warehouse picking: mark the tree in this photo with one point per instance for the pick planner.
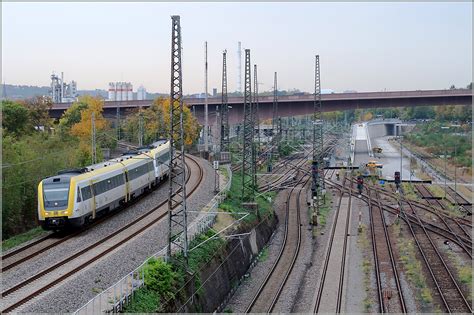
(38, 108)
(83, 128)
(72, 115)
(156, 123)
(15, 118)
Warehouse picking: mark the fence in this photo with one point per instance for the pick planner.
(114, 298)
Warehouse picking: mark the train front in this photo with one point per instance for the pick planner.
(55, 202)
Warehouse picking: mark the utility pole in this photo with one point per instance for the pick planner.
(248, 167)
(94, 150)
(401, 152)
(255, 124)
(276, 121)
(224, 145)
(239, 69)
(140, 127)
(118, 113)
(177, 212)
(4, 91)
(256, 119)
(206, 113)
(317, 167)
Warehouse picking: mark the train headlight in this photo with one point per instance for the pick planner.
(65, 212)
(46, 213)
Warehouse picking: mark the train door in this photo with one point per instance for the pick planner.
(93, 201)
(127, 186)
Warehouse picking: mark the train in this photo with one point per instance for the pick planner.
(76, 197)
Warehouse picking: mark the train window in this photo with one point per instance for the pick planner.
(86, 193)
(78, 195)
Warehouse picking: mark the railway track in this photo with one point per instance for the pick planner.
(434, 228)
(451, 224)
(446, 286)
(328, 298)
(28, 289)
(459, 200)
(447, 289)
(27, 252)
(389, 290)
(269, 291)
(464, 243)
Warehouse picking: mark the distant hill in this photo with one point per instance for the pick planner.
(23, 91)
(18, 92)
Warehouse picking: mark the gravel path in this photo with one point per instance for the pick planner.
(355, 292)
(111, 268)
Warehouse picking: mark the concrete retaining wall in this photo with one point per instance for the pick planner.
(218, 280)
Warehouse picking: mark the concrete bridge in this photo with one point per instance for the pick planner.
(294, 105)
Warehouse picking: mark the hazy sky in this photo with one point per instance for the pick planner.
(364, 47)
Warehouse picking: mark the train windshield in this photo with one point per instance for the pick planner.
(55, 195)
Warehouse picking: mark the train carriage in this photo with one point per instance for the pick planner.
(78, 196)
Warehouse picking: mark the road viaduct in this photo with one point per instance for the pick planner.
(295, 105)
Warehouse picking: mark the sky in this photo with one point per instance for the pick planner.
(362, 46)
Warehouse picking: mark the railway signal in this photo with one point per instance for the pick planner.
(360, 184)
(397, 179)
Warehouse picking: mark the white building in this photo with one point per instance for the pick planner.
(120, 91)
(141, 93)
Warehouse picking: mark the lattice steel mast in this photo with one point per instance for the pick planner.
(248, 162)
(318, 167)
(177, 212)
(224, 109)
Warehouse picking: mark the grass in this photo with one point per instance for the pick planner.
(436, 190)
(144, 301)
(464, 271)
(202, 254)
(22, 238)
(409, 191)
(233, 202)
(263, 255)
(413, 269)
(163, 280)
(223, 172)
(363, 242)
(324, 210)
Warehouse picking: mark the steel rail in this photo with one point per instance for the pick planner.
(433, 228)
(435, 275)
(75, 233)
(328, 254)
(425, 192)
(296, 253)
(280, 254)
(383, 308)
(90, 247)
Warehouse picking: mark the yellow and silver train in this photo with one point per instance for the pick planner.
(76, 197)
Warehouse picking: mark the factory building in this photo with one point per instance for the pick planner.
(62, 92)
(120, 91)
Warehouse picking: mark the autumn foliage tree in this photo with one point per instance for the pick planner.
(156, 123)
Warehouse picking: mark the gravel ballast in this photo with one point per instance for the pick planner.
(108, 270)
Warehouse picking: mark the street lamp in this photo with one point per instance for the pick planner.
(445, 164)
(401, 149)
(455, 168)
